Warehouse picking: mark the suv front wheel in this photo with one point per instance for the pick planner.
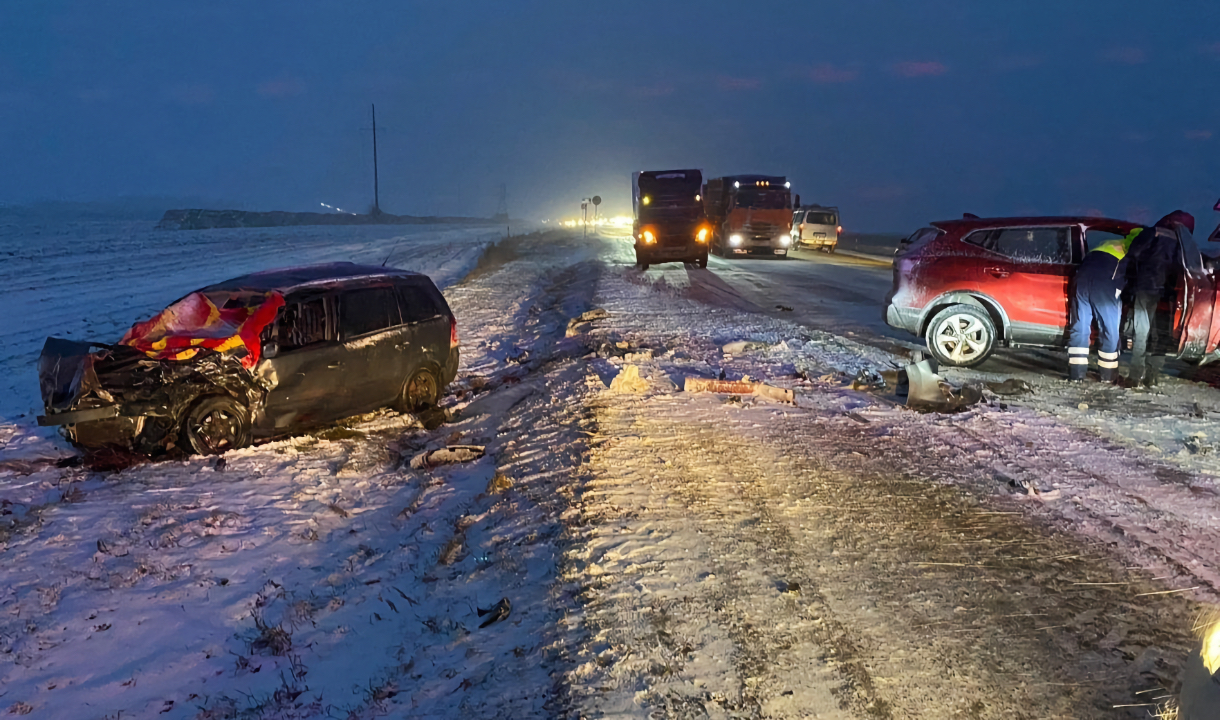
(961, 336)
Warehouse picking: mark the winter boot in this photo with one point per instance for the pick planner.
(1076, 372)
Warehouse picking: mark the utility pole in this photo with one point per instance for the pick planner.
(376, 193)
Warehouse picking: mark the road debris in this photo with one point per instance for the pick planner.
(740, 346)
(868, 379)
(1011, 386)
(496, 612)
(928, 391)
(582, 323)
(1197, 444)
(447, 456)
(744, 386)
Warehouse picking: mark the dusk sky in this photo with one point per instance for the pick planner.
(898, 112)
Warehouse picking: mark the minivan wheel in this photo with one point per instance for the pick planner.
(421, 392)
(216, 424)
(961, 336)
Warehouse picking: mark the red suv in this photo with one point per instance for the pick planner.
(970, 285)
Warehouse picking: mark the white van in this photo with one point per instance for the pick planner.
(815, 226)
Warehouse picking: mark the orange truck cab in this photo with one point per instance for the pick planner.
(749, 214)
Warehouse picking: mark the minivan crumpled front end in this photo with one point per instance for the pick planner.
(92, 411)
(134, 395)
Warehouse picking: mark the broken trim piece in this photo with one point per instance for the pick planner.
(77, 416)
(739, 387)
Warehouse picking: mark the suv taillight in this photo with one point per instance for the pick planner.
(453, 337)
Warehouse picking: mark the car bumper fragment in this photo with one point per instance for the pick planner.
(72, 417)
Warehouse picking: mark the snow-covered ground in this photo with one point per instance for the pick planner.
(661, 553)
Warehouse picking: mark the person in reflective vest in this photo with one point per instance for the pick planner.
(1097, 296)
(1154, 262)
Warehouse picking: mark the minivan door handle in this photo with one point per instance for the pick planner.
(997, 272)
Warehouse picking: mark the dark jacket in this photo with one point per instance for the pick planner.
(1155, 257)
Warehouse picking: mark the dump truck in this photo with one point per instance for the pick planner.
(670, 225)
(749, 214)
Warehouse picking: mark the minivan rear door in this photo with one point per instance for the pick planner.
(370, 327)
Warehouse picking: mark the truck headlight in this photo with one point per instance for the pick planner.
(701, 236)
(784, 240)
(649, 238)
(735, 240)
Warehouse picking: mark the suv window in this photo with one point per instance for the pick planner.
(367, 310)
(419, 303)
(821, 218)
(301, 324)
(1037, 244)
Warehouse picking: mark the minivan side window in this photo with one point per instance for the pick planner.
(366, 311)
(1037, 245)
(418, 303)
(301, 324)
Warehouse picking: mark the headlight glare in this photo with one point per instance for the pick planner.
(701, 236)
(649, 238)
(734, 240)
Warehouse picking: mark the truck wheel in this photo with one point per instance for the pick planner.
(961, 336)
(216, 424)
(702, 261)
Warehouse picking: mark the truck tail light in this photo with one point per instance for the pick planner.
(453, 336)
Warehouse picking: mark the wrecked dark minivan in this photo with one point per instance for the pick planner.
(255, 357)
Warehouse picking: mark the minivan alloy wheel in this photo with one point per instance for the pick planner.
(216, 424)
(420, 392)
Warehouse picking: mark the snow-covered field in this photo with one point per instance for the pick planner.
(660, 553)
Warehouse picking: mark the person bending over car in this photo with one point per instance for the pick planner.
(1153, 262)
(1099, 285)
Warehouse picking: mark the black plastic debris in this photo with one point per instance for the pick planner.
(495, 613)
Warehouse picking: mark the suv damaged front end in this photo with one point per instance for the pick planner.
(135, 395)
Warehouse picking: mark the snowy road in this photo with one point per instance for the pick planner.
(664, 554)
